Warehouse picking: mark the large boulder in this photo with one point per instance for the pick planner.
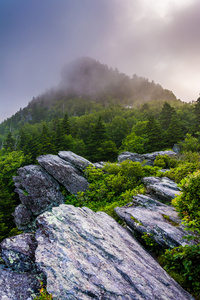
(19, 286)
(158, 220)
(23, 218)
(18, 252)
(20, 278)
(147, 159)
(64, 173)
(75, 160)
(163, 188)
(38, 192)
(88, 255)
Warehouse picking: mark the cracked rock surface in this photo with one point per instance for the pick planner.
(88, 255)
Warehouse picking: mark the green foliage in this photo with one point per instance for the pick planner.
(154, 136)
(117, 130)
(115, 183)
(182, 170)
(9, 163)
(150, 171)
(166, 115)
(107, 151)
(165, 161)
(95, 140)
(10, 142)
(190, 143)
(188, 202)
(133, 143)
(44, 295)
(182, 263)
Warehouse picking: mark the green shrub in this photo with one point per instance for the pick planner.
(165, 161)
(182, 263)
(189, 156)
(190, 143)
(150, 171)
(188, 202)
(44, 295)
(180, 172)
(114, 183)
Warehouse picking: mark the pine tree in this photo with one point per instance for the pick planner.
(96, 138)
(23, 143)
(197, 114)
(10, 142)
(175, 133)
(65, 124)
(166, 115)
(46, 145)
(59, 137)
(154, 134)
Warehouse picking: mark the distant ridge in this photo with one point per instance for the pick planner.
(90, 80)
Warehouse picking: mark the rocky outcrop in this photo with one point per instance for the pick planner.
(18, 286)
(158, 220)
(38, 192)
(163, 188)
(19, 275)
(75, 160)
(147, 159)
(64, 173)
(39, 186)
(18, 252)
(88, 255)
(147, 215)
(81, 254)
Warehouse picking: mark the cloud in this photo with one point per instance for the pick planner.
(156, 40)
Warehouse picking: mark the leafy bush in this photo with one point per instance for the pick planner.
(9, 163)
(114, 183)
(188, 202)
(181, 171)
(182, 264)
(165, 161)
(190, 143)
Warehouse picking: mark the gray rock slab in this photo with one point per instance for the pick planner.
(23, 217)
(18, 252)
(163, 188)
(147, 159)
(147, 215)
(63, 172)
(18, 286)
(88, 255)
(37, 190)
(75, 160)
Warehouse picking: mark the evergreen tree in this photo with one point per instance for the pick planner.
(46, 145)
(9, 142)
(117, 130)
(23, 143)
(96, 138)
(197, 115)
(59, 137)
(65, 124)
(175, 133)
(166, 115)
(154, 134)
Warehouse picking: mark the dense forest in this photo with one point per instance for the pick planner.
(98, 113)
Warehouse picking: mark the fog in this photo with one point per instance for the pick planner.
(158, 40)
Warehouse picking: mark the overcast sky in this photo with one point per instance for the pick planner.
(155, 39)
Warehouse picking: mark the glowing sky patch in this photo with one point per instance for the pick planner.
(156, 39)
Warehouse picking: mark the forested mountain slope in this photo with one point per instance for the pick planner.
(87, 80)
